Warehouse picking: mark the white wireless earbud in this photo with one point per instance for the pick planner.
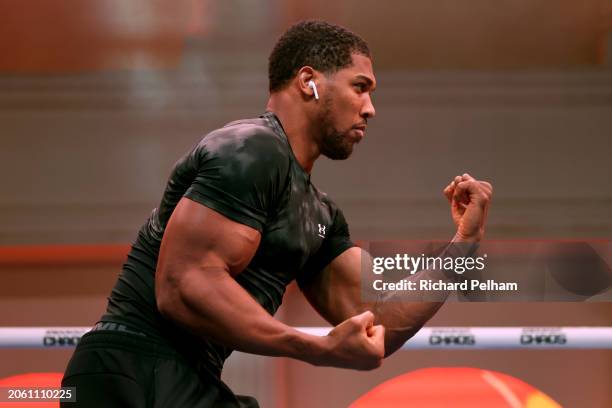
(314, 89)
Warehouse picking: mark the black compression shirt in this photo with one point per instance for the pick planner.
(247, 172)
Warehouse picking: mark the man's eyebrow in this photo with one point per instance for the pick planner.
(366, 78)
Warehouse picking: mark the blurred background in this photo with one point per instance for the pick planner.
(99, 98)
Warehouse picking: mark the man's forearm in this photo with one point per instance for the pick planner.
(403, 318)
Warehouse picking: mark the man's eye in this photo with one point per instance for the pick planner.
(361, 87)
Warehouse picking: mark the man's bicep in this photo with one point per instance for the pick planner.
(197, 237)
(335, 292)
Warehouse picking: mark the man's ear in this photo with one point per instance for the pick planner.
(307, 78)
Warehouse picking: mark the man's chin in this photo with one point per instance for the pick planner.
(338, 146)
(338, 154)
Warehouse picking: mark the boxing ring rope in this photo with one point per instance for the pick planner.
(453, 338)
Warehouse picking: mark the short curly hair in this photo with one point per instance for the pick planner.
(323, 46)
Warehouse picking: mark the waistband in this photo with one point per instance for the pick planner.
(117, 327)
(120, 336)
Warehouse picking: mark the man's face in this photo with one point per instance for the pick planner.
(346, 106)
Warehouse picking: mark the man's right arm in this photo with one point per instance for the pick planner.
(201, 253)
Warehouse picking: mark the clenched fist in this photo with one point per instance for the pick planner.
(355, 343)
(469, 199)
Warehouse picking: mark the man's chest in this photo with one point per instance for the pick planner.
(297, 231)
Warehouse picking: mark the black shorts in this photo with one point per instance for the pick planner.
(113, 369)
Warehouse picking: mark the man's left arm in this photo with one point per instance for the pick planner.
(336, 295)
(336, 291)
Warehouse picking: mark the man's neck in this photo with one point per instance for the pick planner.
(297, 126)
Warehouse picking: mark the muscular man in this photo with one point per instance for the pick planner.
(238, 221)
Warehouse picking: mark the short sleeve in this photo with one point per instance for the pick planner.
(335, 243)
(241, 172)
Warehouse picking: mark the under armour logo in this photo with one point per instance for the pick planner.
(322, 230)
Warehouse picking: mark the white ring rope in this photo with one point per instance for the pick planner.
(462, 338)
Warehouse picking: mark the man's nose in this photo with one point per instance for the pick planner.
(368, 111)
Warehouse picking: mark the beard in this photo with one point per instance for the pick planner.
(335, 144)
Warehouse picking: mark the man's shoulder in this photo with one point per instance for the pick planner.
(247, 135)
(260, 123)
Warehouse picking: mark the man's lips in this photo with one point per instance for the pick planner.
(359, 133)
(359, 130)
